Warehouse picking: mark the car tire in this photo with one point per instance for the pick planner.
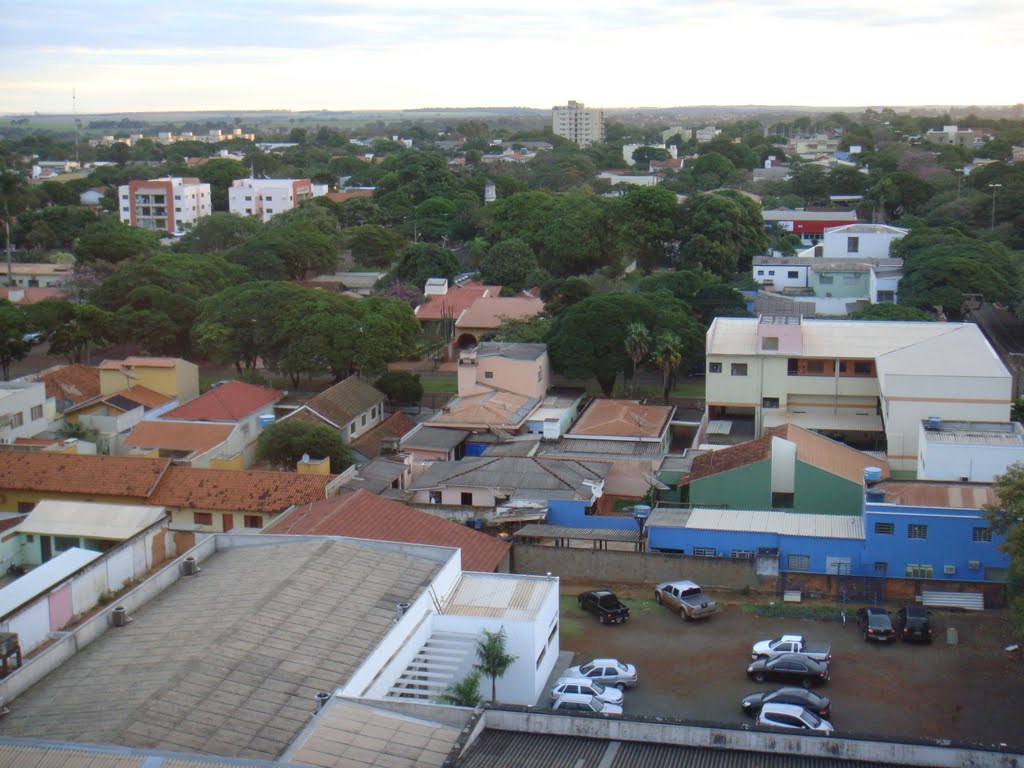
(657, 597)
(806, 683)
(621, 686)
(866, 638)
(759, 677)
(682, 614)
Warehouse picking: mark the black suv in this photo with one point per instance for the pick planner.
(792, 668)
(605, 605)
(913, 622)
(876, 624)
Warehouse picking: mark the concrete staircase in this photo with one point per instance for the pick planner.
(444, 659)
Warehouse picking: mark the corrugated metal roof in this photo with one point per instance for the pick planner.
(977, 433)
(39, 580)
(90, 520)
(825, 419)
(540, 531)
(514, 473)
(663, 517)
(770, 521)
(615, 448)
(499, 596)
(433, 438)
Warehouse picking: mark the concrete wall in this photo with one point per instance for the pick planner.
(16, 398)
(822, 493)
(573, 513)
(619, 567)
(747, 487)
(959, 461)
(782, 275)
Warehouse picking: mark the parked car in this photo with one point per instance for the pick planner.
(581, 702)
(607, 672)
(913, 622)
(605, 605)
(791, 716)
(815, 702)
(791, 644)
(605, 693)
(686, 598)
(789, 668)
(876, 624)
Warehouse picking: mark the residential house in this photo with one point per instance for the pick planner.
(809, 223)
(579, 124)
(264, 198)
(830, 286)
(39, 275)
(504, 411)
(815, 146)
(706, 134)
(388, 475)
(363, 515)
(426, 444)
(199, 444)
(967, 451)
(358, 285)
(113, 415)
(71, 384)
(483, 318)
(25, 410)
(444, 303)
(166, 204)
(524, 369)
(951, 135)
(788, 468)
(685, 134)
(867, 383)
(383, 438)
(27, 296)
(171, 376)
(856, 241)
(615, 176)
(352, 406)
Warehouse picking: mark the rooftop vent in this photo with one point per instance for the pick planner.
(934, 423)
(189, 566)
(119, 617)
(402, 608)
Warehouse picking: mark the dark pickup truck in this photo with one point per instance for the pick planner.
(605, 605)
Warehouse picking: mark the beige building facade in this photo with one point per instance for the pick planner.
(580, 124)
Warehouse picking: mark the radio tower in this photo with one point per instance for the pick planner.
(74, 114)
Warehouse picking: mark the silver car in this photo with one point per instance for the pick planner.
(607, 672)
(579, 702)
(606, 694)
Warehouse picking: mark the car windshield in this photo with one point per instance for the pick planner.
(597, 687)
(689, 592)
(879, 620)
(811, 719)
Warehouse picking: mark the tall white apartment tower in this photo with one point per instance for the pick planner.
(168, 204)
(578, 123)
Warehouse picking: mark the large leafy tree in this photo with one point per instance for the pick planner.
(286, 442)
(13, 327)
(218, 232)
(112, 242)
(650, 214)
(579, 236)
(72, 330)
(64, 223)
(523, 215)
(508, 263)
(419, 262)
(372, 245)
(721, 232)
(1007, 519)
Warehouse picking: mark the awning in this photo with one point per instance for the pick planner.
(825, 419)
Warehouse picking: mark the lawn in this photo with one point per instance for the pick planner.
(439, 385)
(575, 619)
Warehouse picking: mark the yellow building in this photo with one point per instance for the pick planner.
(171, 376)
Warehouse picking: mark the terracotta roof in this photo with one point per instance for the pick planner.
(74, 383)
(622, 418)
(458, 299)
(232, 401)
(238, 490)
(31, 295)
(939, 494)
(490, 311)
(70, 473)
(144, 396)
(490, 409)
(394, 426)
(139, 362)
(341, 197)
(814, 449)
(178, 436)
(363, 515)
(344, 401)
(40, 269)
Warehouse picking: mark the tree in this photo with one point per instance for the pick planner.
(1007, 519)
(284, 443)
(465, 693)
(721, 232)
(219, 173)
(295, 250)
(372, 245)
(108, 240)
(218, 232)
(495, 660)
(529, 330)
(76, 328)
(434, 220)
(13, 327)
(579, 236)
(711, 170)
(650, 213)
(668, 354)
(419, 262)
(508, 263)
(560, 294)
(638, 344)
(889, 312)
(401, 387)
(719, 300)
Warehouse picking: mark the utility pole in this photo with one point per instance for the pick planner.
(993, 187)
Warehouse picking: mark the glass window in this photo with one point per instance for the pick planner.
(782, 500)
(792, 273)
(363, 422)
(852, 244)
(919, 571)
(714, 367)
(742, 554)
(862, 368)
(981, 534)
(488, 374)
(770, 402)
(799, 562)
(705, 551)
(37, 412)
(467, 498)
(739, 369)
(17, 419)
(917, 531)
(252, 521)
(825, 279)
(770, 343)
(885, 529)
(435, 497)
(202, 518)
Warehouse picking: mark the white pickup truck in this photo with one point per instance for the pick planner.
(769, 649)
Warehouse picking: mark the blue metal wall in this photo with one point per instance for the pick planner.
(562, 512)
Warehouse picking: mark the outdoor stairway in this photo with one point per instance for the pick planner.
(443, 660)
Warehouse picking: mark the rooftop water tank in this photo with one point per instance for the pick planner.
(935, 423)
(266, 420)
(642, 511)
(875, 495)
(872, 474)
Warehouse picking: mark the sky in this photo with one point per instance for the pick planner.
(137, 55)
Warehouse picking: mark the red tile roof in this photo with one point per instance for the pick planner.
(31, 295)
(622, 418)
(232, 402)
(144, 396)
(394, 426)
(74, 383)
(238, 490)
(452, 304)
(341, 197)
(178, 436)
(69, 473)
(363, 515)
(488, 312)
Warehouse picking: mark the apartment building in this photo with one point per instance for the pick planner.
(951, 135)
(868, 384)
(167, 204)
(264, 198)
(578, 123)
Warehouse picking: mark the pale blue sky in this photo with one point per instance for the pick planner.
(393, 54)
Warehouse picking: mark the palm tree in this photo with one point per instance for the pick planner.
(638, 344)
(465, 693)
(668, 354)
(494, 659)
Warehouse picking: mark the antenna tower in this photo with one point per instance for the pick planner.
(74, 113)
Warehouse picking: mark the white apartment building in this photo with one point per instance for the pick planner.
(264, 198)
(167, 204)
(25, 411)
(867, 383)
(580, 124)
(856, 241)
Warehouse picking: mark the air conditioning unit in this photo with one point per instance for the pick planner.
(974, 565)
(949, 570)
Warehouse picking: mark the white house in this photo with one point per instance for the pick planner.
(25, 411)
(856, 241)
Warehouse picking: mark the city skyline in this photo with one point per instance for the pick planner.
(399, 55)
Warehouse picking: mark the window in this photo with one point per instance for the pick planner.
(881, 568)
(782, 500)
(373, 412)
(177, 197)
(435, 497)
(919, 571)
(24, 507)
(885, 529)
(792, 273)
(799, 562)
(37, 412)
(488, 374)
(268, 197)
(352, 428)
(363, 422)
(245, 428)
(705, 552)
(467, 498)
(760, 272)
(252, 521)
(981, 534)
(739, 369)
(862, 368)
(825, 279)
(17, 419)
(770, 343)
(771, 271)
(769, 402)
(64, 543)
(202, 518)
(852, 244)
(850, 279)
(743, 554)
(885, 297)
(917, 531)
(714, 367)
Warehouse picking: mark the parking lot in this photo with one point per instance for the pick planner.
(973, 691)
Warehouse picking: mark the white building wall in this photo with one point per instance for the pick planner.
(959, 462)
(782, 276)
(17, 401)
(870, 245)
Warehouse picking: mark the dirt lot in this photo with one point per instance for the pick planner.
(973, 691)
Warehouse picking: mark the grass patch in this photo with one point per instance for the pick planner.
(439, 386)
(794, 611)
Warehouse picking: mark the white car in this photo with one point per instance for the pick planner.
(590, 687)
(581, 702)
(792, 716)
(607, 672)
